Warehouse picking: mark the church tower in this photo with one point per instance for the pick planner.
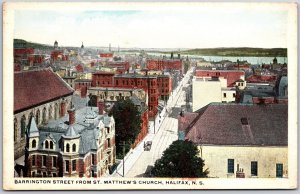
(55, 45)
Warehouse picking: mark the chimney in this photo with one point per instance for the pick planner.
(71, 116)
(100, 105)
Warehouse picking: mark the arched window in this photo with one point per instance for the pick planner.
(30, 116)
(15, 129)
(44, 116)
(56, 109)
(46, 144)
(37, 118)
(51, 145)
(50, 112)
(33, 143)
(23, 126)
(67, 148)
(74, 147)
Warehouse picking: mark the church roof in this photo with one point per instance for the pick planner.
(32, 88)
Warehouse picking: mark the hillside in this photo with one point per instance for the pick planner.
(243, 51)
(20, 43)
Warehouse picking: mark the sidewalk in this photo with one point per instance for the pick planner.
(131, 157)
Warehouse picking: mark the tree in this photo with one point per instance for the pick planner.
(180, 160)
(128, 124)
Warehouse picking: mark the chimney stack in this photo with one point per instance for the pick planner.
(101, 107)
(71, 116)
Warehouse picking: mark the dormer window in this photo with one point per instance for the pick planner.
(46, 144)
(33, 143)
(51, 145)
(67, 148)
(74, 147)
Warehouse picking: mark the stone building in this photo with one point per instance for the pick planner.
(42, 94)
(242, 141)
(81, 145)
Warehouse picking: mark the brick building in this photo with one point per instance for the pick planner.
(164, 84)
(103, 79)
(39, 93)
(156, 86)
(230, 75)
(148, 83)
(81, 85)
(81, 145)
(164, 64)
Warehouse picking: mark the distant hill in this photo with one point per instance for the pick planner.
(242, 51)
(20, 43)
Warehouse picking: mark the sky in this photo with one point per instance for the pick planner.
(203, 28)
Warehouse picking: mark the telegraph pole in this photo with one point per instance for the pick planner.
(123, 145)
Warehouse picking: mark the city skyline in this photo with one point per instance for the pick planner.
(195, 28)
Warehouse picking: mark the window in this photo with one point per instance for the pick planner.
(73, 165)
(51, 145)
(33, 160)
(233, 95)
(44, 116)
(54, 161)
(54, 174)
(38, 117)
(74, 147)
(46, 144)
(23, 126)
(33, 143)
(253, 168)
(242, 84)
(44, 160)
(230, 166)
(44, 174)
(108, 142)
(15, 129)
(67, 165)
(279, 170)
(67, 148)
(33, 174)
(93, 159)
(93, 173)
(224, 95)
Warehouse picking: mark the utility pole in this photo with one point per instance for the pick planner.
(123, 145)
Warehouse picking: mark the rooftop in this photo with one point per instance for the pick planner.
(237, 124)
(32, 88)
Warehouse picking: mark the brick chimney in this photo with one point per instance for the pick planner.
(71, 116)
(101, 106)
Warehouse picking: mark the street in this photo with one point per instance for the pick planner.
(164, 137)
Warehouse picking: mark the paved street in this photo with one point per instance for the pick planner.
(164, 137)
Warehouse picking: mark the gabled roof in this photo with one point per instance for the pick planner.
(32, 88)
(70, 133)
(221, 124)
